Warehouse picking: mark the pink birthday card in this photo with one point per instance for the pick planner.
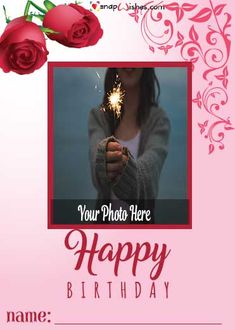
(117, 164)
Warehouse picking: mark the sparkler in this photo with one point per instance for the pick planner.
(115, 98)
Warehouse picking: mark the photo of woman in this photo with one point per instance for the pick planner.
(127, 153)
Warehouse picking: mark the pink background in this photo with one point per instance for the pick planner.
(35, 265)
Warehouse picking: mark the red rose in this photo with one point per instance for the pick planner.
(75, 26)
(22, 47)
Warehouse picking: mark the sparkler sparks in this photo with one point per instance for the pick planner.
(116, 98)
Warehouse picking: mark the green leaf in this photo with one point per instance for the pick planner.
(47, 30)
(48, 4)
(7, 19)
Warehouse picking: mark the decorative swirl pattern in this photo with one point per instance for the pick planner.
(209, 53)
(150, 23)
(213, 99)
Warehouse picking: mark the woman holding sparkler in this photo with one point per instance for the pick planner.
(128, 139)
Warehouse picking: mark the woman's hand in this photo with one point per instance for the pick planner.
(115, 159)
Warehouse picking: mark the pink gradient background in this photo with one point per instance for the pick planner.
(35, 265)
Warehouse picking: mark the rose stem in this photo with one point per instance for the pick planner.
(31, 3)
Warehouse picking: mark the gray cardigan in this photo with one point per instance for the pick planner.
(140, 178)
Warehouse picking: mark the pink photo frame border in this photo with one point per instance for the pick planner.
(51, 66)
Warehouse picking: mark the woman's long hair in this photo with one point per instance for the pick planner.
(148, 96)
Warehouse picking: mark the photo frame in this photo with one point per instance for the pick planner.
(181, 218)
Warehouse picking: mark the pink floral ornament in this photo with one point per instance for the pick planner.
(208, 52)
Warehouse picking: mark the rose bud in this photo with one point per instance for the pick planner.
(22, 47)
(74, 25)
